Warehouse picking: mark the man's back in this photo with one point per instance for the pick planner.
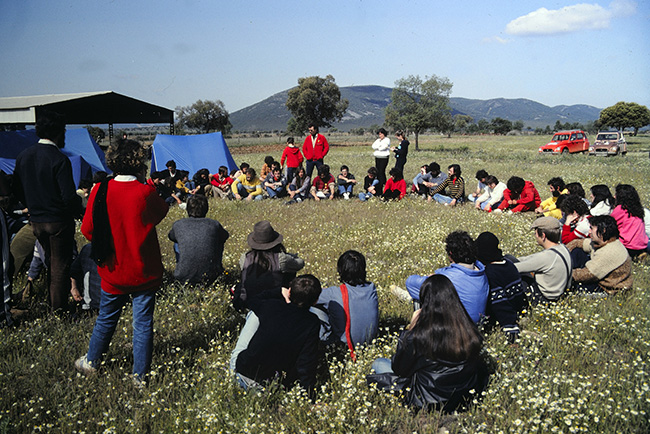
(551, 271)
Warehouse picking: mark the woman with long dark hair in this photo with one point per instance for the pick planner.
(629, 217)
(602, 201)
(438, 360)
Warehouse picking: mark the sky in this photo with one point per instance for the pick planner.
(172, 53)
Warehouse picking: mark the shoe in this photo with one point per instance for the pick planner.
(346, 196)
(84, 366)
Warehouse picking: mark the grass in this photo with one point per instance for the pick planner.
(580, 365)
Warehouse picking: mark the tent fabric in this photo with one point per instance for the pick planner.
(191, 153)
(84, 154)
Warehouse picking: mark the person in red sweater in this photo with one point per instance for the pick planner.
(576, 213)
(395, 186)
(293, 157)
(519, 196)
(315, 148)
(221, 182)
(120, 221)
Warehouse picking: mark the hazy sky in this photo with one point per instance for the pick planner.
(172, 53)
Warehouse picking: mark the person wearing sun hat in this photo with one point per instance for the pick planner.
(267, 266)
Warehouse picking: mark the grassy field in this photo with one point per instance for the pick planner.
(580, 365)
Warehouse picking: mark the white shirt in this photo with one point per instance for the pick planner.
(382, 148)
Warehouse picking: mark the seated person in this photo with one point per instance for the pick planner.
(266, 167)
(345, 182)
(465, 272)
(285, 343)
(199, 243)
(300, 185)
(577, 189)
(576, 218)
(550, 268)
(629, 216)
(183, 186)
(602, 201)
(157, 181)
(86, 283)
(323, 185)
(492, 196)
(453, 186)
(548, 207)
(507, 296)
(519, 196)
(276, 184)
(221, 183)
(481, 177)
(370, 185)
(395, 187)
(429, 177)
(201, 183)
(601, 261)
(243, 168)
(247, 186)
(355, 315)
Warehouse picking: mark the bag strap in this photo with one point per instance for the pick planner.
(346, 308)
(568, 268)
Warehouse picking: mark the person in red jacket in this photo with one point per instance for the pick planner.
(120, 221)
(519, 196)
(293, 158)
(395, 186)
(315, 148)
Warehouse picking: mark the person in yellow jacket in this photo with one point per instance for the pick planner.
(247, 186)
(549, 206)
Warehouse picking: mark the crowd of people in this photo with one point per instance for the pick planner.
(587, 247)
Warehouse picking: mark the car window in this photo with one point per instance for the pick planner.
(580, 136)
(573, 136)
(560, 137)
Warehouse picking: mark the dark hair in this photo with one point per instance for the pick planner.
(171, 163)
(576, 188)
(399, 133)
(251, 171)
(261, 259)
(290, 140)
(85, 184)
(601, 194)
(157, 175)
(553, 235)
(323, 170)
(460, 247)
(275, 165)
(351, 267)
(606, 226)
(491, 179)
(456, 168)
(481, 174)
(243, 166)
(50, 125)
(396, 174)
(516, 184)
(627, 197)
(223, 171)
(314, 126)
(373, 171)
(444, 330)
(434, 167)
(345, 167)
(298, 178)
(126, 157)
(199, 174)
(382, 131)
(573, 202)
(305, 290)
(197, 206)
(99, 176)
(268, 160)
(557, 183)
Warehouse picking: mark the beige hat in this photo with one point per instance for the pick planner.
(545, 223)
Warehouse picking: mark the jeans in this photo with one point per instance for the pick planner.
(441, 198)
(309, 168)
(244, 193)
(382, 365)
(110, 310)
(280, 192)
(345, 188)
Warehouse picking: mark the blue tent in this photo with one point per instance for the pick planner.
(84, 154)
(191, 153)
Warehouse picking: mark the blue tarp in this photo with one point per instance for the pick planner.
(191, 153)
(85, 155)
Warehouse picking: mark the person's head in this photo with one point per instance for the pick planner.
(600, 193)
(99, 176)
(372, 172)
(268, 160)
(444, 330)
(576, 188)
(351, 267)
(424, 169)
(300, 173)
(382, 133)
(324, 172)
(400, 134)
(157, 177)
(573, 203)
(516, 185)
(487, 248)
(275, 165)
(627, 197)
(556, 186)
(313, 129)
(51, 126)
(184, 175)
(547, 229)
(171, 165)
(491, 181)
(345, 170)
(202, 174)
(481, 175)
(223, 171)
(454, 171)
(460, 247)
(233, 172)
(396, 174)
(250, 174)
(434, 168)
(277, 172)
(244, 167)
(263, 237)
(603, 229)
(126, 157)
(197, 206)
(290, 141)
(304, 291)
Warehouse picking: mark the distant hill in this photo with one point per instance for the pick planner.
(367, 104)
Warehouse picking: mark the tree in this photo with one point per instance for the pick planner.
(419, 104)
(204, 116)
(518, 125)
(461, 122)
(625, 115)
(315, 101)
(501, 126)
(96, 133)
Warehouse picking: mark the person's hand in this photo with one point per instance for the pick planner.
(249, 198)
(292, 193)
(414, 319)
(477, 205)
(237, 196)
(75, 294)
(538, 210)
(571, 218)
(452, 203)
(286, 294)
(331, 197)
(488, 208)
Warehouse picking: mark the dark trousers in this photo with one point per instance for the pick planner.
(399, 164)
(380, 164)
(309, 168)
(57, 239)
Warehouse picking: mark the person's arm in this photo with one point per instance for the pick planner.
(413, 284)
(326, 146)
(283, 158)
(332, 187)
(405, 357)
(402, 189)
(307, 362)
(290, 262)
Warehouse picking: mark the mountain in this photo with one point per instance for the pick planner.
(367, 104)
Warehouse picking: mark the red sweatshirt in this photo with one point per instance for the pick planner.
(399, 185)
(292, 155)
(318, 151)
(134, 210)
(528, 199)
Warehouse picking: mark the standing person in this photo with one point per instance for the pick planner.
(125, 245)
(314, 148)
(43, 182)
(401, 150)
(382, 152)
(293, 158)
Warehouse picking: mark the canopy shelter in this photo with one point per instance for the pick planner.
(191, 153)
(89, 108)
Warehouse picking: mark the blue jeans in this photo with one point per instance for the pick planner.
(345, 188)
(280, 192)
(110, 310)
(382, 365)
(244, 193)
(441, 198)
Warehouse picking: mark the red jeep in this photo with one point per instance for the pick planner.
(565, 142)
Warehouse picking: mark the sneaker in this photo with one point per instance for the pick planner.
(346, 196)
(84, 366)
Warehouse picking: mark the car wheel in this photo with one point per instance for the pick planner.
(565, 151)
